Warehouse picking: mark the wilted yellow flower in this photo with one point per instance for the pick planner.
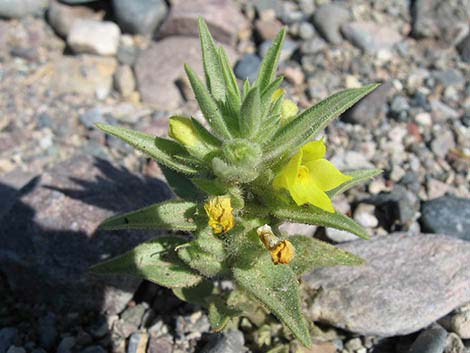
(282, 251)
(220, 212)
(307, 177)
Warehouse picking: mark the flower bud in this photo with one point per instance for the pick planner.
(182, 130)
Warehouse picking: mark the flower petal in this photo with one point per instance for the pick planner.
(288, 175)
(308, 192)
(326, 175)
(312, 151)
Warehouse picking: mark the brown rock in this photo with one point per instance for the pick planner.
(160, 68)
(267, 29)
(61, 16)
(222, 16)
(51, 236)
(406, 283)
(86, 74)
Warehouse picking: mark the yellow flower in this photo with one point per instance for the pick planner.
(307, 177)
(282, 251)
(220, 212)
(182, 130)
(288, 109)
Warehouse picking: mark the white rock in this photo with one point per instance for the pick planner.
(364, 214)
(94, 37)
(340, 236)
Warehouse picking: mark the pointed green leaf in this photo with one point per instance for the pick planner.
(250, 113)
(311, 253)
(173, 214)
(314, 215)
(211, 187)
(311, 121)
(212, 67)
(229, 75)
(197, 294)
(181, 185)
(358, 176)
(154, 260)
(275, 286)
(208, 106)
(270, 61)
(204, 134)
(220, 314)
(200, 260)
(161, 149)
(246, 88)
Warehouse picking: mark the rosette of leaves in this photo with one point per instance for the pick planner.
(223, 176)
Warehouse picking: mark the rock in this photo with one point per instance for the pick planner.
(306, 30)
(230, 341)
(267, 29)
(294, 75)
(7, 338)
(94, 37)
(287, 50)
(399, 108)
(85, 75)
(460, 324)
(223, 18)
(10, 185)
(449, 77)
(51, 238)
(124, 80)
(159, 67)
(443, 143)
(464, 49)
(138, 342)
(445, 20)
(91, 117)
(139, 16)
(22, 8)
(47, 331)
(62, 17)
(14, 349)
(441, 111)
(370, 37)
(94, 349)
(447, 215)
(454, 344)
(134, 314)
(65, 346)
(75, 2)
(328, 19)
(369, 111)
(313, 46)
(298, 228)
(432, 340)
(364, 215)
(247, 67)
(406, 283)
(340, 236)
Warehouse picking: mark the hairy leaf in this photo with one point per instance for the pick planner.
(250, 113)
(212, 67)
(154, 260)
(208, 105)
(358, 176)
(173, 214)
(181, 185)
(270, 61)
(199, 259)
(161, 149)
(229, 76)
(311, 121)
(311, 253)
(314, 215)
(197, 294)
(275, 286)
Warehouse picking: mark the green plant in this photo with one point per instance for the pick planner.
(237, 181)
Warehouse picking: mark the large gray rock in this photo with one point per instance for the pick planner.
(328, 19)
(464, 49)
(370, 37)
(21, 8)
(432, 340)
(222, 16)
(370, 110)
(51, 236)
(160, 67)
(231, 341)
(94, 37)
(447, 214)
(406, 283)
(139, 16)
(445, 20)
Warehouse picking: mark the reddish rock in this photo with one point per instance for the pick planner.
(222, 16)
(159, 70)
(51, 237)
